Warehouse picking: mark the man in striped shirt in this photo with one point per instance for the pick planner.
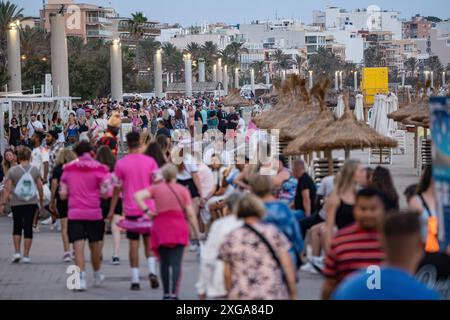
(357, 246)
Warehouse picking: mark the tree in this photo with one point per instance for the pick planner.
(372, 57)
(282, 61)
(324, 63)
(433, 19)
(173, 60)
(210, 53)
(9, 12)
(434, 64)
(258, 67)
(300, 62)
(195, 50)
(232, 53)
(411, 65)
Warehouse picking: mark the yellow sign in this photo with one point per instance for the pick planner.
(374, 81)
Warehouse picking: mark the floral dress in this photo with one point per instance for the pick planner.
(255, 274)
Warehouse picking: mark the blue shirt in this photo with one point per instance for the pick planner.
(395, 284)
(279, 214)
(204, 114)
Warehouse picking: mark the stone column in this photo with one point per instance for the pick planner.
(116, 71)
(14, 64)
(236, 78)
(225, 80)
(214, 73)
(60, 63)
(157, 60)
(219, 70)
(201, 70)
(252, 80)
(267, 78)
(188, 74)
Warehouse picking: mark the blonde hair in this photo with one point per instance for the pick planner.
(169, 172)
(344, 178)
(65, 156)
(261, 185)
(250, 205)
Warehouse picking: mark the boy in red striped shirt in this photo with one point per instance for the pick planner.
(357, 246)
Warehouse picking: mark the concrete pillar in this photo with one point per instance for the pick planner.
(225, 80)
(355, 75)
(283, 75)
(219, 70)
(443, 78)
(201, 70)
(336, 80)
(167, 78)
(14, 64)
(252, 80)
(342, 82)
(310, 79)
(157, 60)
(267, 78)
(236, 78)
(215, 73)
(60, 63)
(116, 71)
(188, 74)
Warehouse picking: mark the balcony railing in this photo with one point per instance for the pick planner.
(99, 33)
(102, 20)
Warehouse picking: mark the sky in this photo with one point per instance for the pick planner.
(197, 12)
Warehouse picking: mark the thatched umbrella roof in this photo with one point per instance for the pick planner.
(348, 133)
(235, 99)
(305, 134)
(291, 92)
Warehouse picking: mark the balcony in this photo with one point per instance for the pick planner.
(99, 33)
(98, 20)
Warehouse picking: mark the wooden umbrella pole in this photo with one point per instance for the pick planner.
(381, 155)
(415, 147)
(347, 153)
(329, 156)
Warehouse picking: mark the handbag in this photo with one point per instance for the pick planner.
(141, 225)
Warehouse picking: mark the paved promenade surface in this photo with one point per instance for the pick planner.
(45, 277)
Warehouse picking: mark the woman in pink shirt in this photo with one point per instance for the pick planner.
(170, 231)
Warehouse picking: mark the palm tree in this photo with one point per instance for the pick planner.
(282, 61)
(300, 61)
(231, 54)
(195, 50)
(136, 29)
(173, 60)
(148, 49)
(259, 67)
(210, 53)
(372, 57)
(33, 42)
(411, 66)
(9, 12)
(434, 64)
(324, 63)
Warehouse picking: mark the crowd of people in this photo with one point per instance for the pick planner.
(253, 231)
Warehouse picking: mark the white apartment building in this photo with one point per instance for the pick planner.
(354, 44)
(371, 19)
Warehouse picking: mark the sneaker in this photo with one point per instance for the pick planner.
(53, 226)
(98, 279)
(317, 262)
(36, 229)
(308, 267)
(115, 260)
(26, 260)
(166, 297)
(193, 246)
(67, 257)
(58, 225)
(16, 258)
(135, 287)
(83, 285)
(154, 283)
(47, 221)
(10, 215)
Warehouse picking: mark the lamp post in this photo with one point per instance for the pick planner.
(336, 80)
(116, 70)
(201, 70)
(219, 70)
(225, 79)
(252, 80)
(188, 74)
(60, 63)
(355, 75)
(215, 73)
(158, 73)
(13, 51)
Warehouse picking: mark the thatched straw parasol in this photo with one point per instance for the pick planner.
(291, 92)
(235, 99)
(346, 133)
